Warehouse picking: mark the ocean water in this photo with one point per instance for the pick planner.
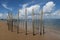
(51, 23)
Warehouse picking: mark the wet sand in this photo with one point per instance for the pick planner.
(50, 34)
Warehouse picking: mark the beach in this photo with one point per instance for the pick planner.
(50, 34)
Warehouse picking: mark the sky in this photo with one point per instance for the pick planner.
(51, 8)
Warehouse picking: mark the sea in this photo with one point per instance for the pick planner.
(51, 23)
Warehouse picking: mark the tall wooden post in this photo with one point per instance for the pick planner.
(11, 21)
(26, 20)
(41, 23)
(33, 21)
(18, 22)
(8, 21)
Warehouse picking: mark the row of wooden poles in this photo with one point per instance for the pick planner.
(10, 22)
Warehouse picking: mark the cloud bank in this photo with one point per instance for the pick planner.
(29, 10)
(47, 9)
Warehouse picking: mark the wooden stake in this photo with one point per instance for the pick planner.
(41, 24)
(8, 22)
(11, 19)
(18, 23)
(26, 20)
(33, 21)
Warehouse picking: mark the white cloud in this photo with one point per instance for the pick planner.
(5, 15)
(35, 7)
(56, 13)
(5, 6)
(48, 7)
(1, 14)
(25, 5)
(29, 10)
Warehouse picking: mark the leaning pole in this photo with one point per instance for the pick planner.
(26, 20)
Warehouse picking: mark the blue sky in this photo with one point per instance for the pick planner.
(51, 7)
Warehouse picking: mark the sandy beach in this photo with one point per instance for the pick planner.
(50, 34)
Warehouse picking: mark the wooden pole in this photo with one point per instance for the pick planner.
(41, 23)
(26, 20)
(33, 21)
(18, 23)
(11, 19)
(8, 21)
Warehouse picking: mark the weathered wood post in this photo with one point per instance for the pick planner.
(11, 22)
(26, 20)
(41, 23)
(33, 21)
(18, 22)
(8, 22)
